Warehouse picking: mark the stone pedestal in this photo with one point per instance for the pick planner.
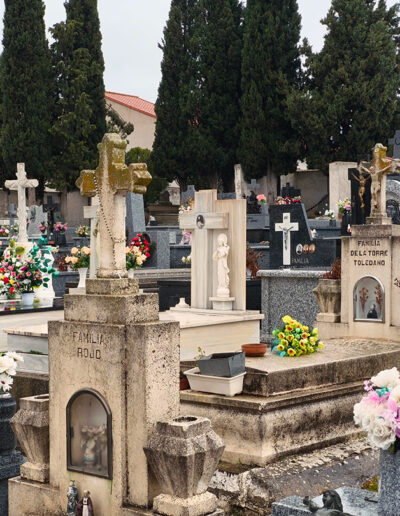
(183, 455)
(31, 426)
(327, 294)
(222, 303)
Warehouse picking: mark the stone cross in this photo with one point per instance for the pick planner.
(396, 144)
(201, 222)
(286, 227)
(111, 181)
(92, 213)
(253, 186)
(239, 182)
(21, 184)
(378, 169)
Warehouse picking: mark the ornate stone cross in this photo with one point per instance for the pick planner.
(111, 181)
(92, 213)
(378, 170)
(21, 184)
(286, 227)
(201, 223)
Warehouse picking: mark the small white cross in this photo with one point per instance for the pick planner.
(286, 227)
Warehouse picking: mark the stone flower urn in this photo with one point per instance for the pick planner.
(183, 454)
(328, 295)
(31, 426)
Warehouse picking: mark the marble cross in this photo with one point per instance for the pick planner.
(253, 186)
(21, 184)
(111, 181)
(286, 227)
(201, 222)
(92, 213)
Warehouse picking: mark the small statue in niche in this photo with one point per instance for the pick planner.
(72, 497)
(372, 313)
(221, 257)
(93, 442)
(85, 506)
(332, 505)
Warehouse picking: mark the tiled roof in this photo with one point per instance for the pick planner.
(132, 102)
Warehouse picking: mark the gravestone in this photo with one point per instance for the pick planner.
(290, 191)
(209, 219)
(36, 217)
(135, 221)
(291, 243)
(393, 199)
(360, 196)
(189, 194)
(239, 182)
(253, 186)
(51, 208)
(21, 184)
(395, 141)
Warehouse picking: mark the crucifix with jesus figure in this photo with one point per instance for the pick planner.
(111, 181)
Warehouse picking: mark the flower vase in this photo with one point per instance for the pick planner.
(131, 273)
(59, 238)
(27, 299)
(82, 277)
(7, 410)
(389, 484)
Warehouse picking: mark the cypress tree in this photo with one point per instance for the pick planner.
(215, 131)
(25, 85)
(350, 100)
(270, 71)
(80, 115)
(171, 154)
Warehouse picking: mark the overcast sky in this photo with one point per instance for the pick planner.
(132, 28)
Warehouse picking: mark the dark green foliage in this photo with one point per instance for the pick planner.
(25, 85)
(214, 133)
(171, 155)
(197, 108)
(158, 184)
(350, 101)
(270, 71)
(80, 115)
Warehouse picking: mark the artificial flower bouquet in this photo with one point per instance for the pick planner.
(284, 201)
(43, 227)
(344, 206)
(83, 231)
(28, 277)
(330, 214)
(187, 260)
(137, 252)
(59, 227)
(294, 339)
(8, 369)
(261, 199)
(80, 258)
(378, 413)
(4, 231)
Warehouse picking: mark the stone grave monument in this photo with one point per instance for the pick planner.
(291, 241)
(36, 217)
(21, 184)
(370, 283)
(113, 371)
(217, 319)
(135, 221)
(92, 213)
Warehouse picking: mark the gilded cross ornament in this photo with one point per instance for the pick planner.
(111, 181)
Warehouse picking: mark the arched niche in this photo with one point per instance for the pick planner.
(89, 434)
(369, 300)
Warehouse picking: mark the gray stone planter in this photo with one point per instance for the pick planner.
(328, 296)
(389, 484)
(222, 364)
(183, 455)
(31, 426)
